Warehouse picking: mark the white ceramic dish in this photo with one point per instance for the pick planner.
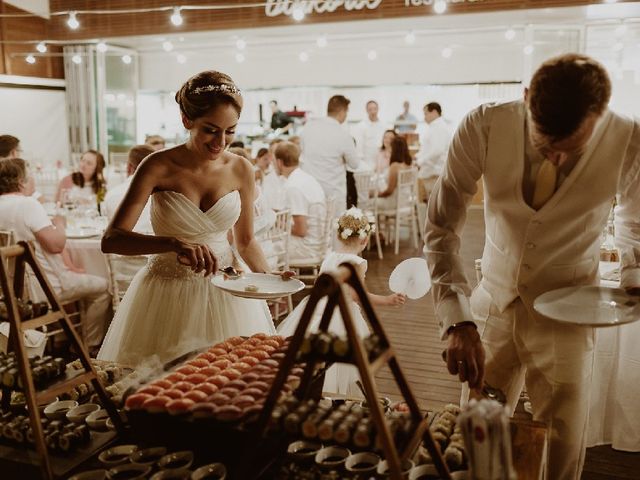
(90, 475)
(589, 306)
(58, 409)
(266, 285)
(97, 420)
(214, 470)
(81, 412)
(118, 455)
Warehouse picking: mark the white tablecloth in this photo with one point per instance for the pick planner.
(614, 415)
(86, 254)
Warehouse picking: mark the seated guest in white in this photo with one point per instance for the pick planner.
(115, 195)
(272, 182)
(27, 218)
(305, 198)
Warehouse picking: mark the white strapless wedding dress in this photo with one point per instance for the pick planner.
(169, 310)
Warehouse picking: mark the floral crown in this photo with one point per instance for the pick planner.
(219, 87)
(354, 223)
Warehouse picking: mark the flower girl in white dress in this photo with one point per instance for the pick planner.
(353, 230)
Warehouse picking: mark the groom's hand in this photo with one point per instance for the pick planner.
(465, 355)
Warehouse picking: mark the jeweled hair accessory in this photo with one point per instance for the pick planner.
(219, 87)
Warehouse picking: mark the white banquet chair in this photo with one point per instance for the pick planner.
(313, 263)
(365, 182)
(278, 257)
(122, 269)
(406, 198)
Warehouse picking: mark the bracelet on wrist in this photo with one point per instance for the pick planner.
(465, 323)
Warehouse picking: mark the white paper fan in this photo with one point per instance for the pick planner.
(411, 277)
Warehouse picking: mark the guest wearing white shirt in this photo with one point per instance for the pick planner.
(368, 135)
(306, 200)
(115, 195)
(27, 218)
(328, 149)
(434, 146)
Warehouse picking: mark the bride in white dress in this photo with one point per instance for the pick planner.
(198, 193)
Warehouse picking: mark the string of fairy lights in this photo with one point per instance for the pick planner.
(297, 13)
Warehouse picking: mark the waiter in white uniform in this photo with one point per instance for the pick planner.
(551, 166)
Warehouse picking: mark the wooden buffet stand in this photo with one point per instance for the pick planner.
(13, 260)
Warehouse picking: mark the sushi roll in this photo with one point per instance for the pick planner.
(10, 377)
(312, 422)
(341, 347)
(454, 457)
(66, 442)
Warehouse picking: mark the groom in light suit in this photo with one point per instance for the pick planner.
(551, 166)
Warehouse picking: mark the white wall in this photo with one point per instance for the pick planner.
(38, 119)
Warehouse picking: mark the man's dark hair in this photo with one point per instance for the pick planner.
(372, 101)
(337, 103)
(275, 102)
(431, 106)
(237, 143)
(564, 90)
(7, 144)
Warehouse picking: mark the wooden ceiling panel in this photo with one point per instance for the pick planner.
(118, 25)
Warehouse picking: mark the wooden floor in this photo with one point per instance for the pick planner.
(414, 336)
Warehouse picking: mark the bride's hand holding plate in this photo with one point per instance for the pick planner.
(198, 256)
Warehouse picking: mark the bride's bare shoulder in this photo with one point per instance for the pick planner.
(163, 162)
(239, 165)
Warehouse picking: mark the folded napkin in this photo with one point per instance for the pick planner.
(30, 339)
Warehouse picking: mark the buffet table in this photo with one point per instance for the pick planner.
(614, 417)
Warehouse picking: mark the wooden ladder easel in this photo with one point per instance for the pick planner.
(335, 287)
(21, 254)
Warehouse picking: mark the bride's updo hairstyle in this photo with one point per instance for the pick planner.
(206, 91)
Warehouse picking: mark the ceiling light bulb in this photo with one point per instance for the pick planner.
(176, 18)
(528, 49)
(440, 6)
(446, 52)
(303, 56)
(126, 59)
(102, 47)
(297, 13)
(372, 55)
(72, 21)
(181, 58)
(30, 59)
(322, 41)
(77, 59)
(41, 47)
(510, 34)
(241, 44)
(240, 57)
(410, 38)
(167, 46)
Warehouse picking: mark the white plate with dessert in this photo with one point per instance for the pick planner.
(257, 285)
(592, 306)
